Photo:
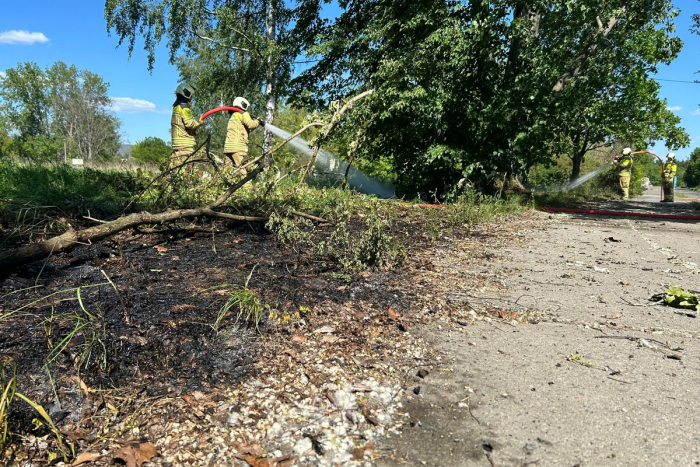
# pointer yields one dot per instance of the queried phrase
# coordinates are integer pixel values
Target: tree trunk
(577, 160)
(270, 85)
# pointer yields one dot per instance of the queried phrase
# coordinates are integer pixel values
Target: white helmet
(627, 151)
(241, 103)
(671, 156)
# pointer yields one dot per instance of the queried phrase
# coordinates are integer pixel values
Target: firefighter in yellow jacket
(240, 124)
(183, 125)
(669, 179)
(624, 164)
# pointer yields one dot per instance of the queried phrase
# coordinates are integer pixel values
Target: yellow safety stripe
(183, 127)
(239, 125)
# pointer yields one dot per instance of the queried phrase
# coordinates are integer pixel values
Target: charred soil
(125, 342)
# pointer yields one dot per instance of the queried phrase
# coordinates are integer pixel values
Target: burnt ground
(317, 384)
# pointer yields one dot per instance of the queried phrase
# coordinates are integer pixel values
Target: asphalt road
(592, 373)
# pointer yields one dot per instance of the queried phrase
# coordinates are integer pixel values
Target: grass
(8, 386)
(244, 301)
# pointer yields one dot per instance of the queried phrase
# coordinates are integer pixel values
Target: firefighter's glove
(261, 122)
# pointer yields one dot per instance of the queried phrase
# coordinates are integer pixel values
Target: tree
(151, 150)
(229, 49)
(58, 112)
(692, 171)
(25, 100)
(474, 91)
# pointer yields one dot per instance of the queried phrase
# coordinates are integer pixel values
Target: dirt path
(582, 377)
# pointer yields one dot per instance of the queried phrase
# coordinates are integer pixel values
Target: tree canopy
(151, 150)
(57, 113)
(464, 92)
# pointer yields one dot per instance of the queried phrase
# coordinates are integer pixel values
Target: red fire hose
(623, 213)
(220, 109)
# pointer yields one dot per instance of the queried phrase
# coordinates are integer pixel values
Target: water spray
(325, 161)
(581, 180)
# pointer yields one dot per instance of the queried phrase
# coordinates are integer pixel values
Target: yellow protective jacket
(625, 166)
(670, 171)
(239, 125)
(183, 126)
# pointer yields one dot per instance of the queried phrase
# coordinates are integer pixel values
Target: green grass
(29, 192)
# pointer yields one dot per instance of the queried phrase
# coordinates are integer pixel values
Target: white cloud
(2, 75)
(22, 37)
(132, 106)
(675, 108)
(695, 112)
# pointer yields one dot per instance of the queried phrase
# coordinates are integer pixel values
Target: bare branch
(213, 41)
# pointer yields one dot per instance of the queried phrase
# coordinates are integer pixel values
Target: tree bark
(271, 80)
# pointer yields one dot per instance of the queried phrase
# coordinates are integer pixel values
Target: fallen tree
(72, 238)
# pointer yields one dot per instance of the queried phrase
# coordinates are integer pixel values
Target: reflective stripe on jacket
(625, 165)
(183, 127)
(239, 125)
(670, 171)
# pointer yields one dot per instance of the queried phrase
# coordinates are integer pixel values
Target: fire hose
(220, 109)
(685, 217)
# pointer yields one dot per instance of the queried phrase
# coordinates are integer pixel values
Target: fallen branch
(334, 121)
(71, 238)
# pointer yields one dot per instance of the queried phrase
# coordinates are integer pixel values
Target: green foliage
(691, 177)
(56, 114)
(8, 388)
(151, 150)
(356, 248)
(33, 190)
(89, 327)
(247, 304)
(481, 90)
(290, 234)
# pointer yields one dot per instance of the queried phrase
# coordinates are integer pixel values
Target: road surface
(591, 373)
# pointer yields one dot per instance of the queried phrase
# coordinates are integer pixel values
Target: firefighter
(240, 124)
(183, 125)
(624, 165)
(669, 179)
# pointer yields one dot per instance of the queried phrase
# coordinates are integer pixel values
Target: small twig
(308, 216)
(631, 338)
(619, 380)
(489, 456)
(633, 304)
(469, 408)
(94, 220)
(36, 282)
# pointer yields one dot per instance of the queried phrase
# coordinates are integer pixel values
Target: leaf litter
(316, 389)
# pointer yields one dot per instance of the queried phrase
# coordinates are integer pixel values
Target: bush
(151, 150)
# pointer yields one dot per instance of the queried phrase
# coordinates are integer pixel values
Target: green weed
(8, 386)
(89, 330)
(245, 302)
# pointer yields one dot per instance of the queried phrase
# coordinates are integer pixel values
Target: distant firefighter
(624, 167)
(669, 179)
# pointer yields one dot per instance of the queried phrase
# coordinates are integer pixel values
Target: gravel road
(591, 373)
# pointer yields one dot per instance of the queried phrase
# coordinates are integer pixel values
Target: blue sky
(74, 32)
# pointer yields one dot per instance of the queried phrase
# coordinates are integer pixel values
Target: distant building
(125, 151)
